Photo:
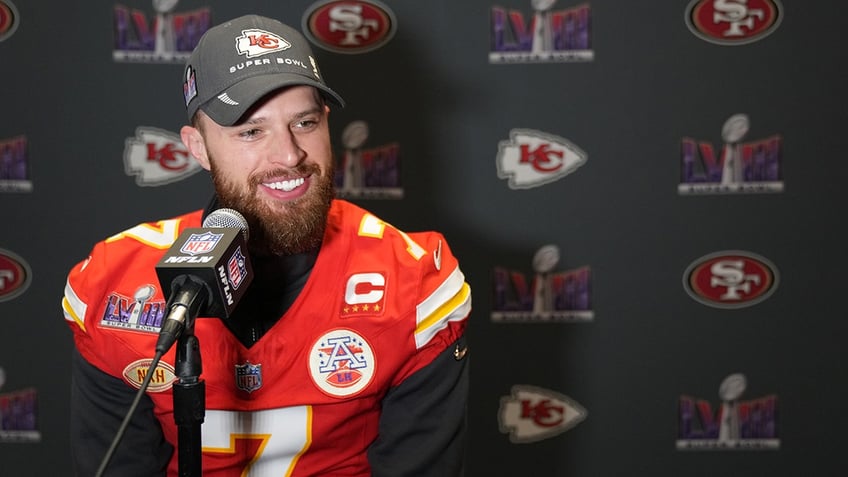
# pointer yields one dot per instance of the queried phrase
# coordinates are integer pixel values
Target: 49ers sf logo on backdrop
(15, 275)
(730, 279)
(349, 26)
(733, 22)
(9, 19)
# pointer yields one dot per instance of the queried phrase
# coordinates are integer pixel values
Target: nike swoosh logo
(437, 256)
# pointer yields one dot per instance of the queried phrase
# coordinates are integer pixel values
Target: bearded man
(351, 331)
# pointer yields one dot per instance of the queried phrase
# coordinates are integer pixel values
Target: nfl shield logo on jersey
(248, 376)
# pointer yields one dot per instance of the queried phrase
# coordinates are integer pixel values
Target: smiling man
(345, 357)
(275, 167)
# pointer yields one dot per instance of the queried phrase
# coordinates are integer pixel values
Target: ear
(193, 140)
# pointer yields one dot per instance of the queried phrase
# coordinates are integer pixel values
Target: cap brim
(241, 96)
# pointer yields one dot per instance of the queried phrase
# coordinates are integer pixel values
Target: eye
(305, 124)
(249, 133)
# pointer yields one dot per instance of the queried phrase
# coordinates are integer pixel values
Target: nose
(286, 151)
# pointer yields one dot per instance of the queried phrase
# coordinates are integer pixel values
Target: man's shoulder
(362, 223)
(157, 234)
(367, 239)
(187, 219)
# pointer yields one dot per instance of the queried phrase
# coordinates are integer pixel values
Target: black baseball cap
(238, 62)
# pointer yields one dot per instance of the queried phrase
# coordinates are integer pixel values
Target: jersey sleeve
(99, 403)
(115, 267)
(84, 289)
(100, 399)
(422, 429)
(443, 305)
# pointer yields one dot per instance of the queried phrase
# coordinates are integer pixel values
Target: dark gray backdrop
(432, 89)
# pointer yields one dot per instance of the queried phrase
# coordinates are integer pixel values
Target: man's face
(275, 167)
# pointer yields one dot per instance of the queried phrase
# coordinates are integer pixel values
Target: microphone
(205, 272)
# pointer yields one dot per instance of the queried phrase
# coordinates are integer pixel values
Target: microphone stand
(189, 403)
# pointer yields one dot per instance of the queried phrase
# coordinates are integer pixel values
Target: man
(337, 293)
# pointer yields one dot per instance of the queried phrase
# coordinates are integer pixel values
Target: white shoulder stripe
(73, 307)
(442, 294)
(451, 301)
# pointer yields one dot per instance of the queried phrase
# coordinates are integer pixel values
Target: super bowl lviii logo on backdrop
(730, 279)
(167, 37)
(14, 165)
(736, 167)
(19, 415)
(733, 22)
(367, 172)
(736, 424)
(532, 158)
(531, 414)
(157, 157)
(545, 36)
(349, 26)
(547, 296)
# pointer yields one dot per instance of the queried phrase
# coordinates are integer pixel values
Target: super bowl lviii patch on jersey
(341, 363)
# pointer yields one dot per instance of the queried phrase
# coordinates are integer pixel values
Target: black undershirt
(277, 281)
(276, 284)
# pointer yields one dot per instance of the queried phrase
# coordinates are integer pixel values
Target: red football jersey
(379, 305)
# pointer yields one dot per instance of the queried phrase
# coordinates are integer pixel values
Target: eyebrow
(317, 109)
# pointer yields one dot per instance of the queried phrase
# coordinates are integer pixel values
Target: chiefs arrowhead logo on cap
(256, 42)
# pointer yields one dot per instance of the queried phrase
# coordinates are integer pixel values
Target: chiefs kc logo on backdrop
(531, 414)
(532, 158)
(157, 157)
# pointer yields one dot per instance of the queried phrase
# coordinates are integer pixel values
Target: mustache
(282, 173)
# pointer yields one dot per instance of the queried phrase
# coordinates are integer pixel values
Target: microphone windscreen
(227, 218)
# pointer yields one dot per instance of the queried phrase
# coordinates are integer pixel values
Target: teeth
(286, 185)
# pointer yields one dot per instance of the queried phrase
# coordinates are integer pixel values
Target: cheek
(233, 161)
(321, 151)
(226, 172)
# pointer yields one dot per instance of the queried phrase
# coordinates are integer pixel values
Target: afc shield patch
(341, 363)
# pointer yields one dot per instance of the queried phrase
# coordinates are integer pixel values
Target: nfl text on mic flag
(204, 273)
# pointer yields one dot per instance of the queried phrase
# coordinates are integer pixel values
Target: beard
(280, 228)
